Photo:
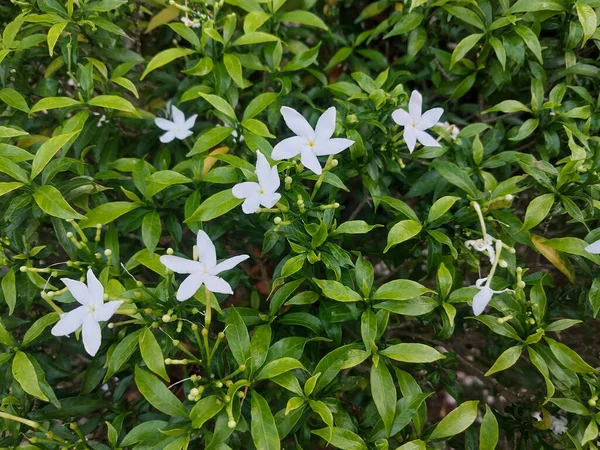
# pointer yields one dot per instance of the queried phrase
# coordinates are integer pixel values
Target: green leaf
(14, 99)
(587, 19)
(463, 47)
(441, 206)
(277, 367)
(38, 327)
(255, 37)
(293, 265)
(325, 413)
(114, 102)
(456, 421)
(368, 328)
(127, 84)
(537, 210)
(341, 438)
(508, 106)
(337, 291)
(158, 395)
(304, 18)
(215, 206)
(151, 230)
(406, 24)
(412, 353)
(49, 103)
(186, 33)
(568, 358)
(259, 346)
(162, 179)
(402, 231)
(400, 290)
(53, 34)
(106, 213)
(6, 132)
(210, 139)
(488, 434)
(234, 69)
(47, 151)
(24, 373)
(455, 175)
(263, 428)
(51, 201)
(507, 359)
(573, 246)
(258, 104)
(165, 57)
(219, 103)
(569, 405)
(500, 328)
(237, 337)
(257, 127)
(466, 15)
(9, 290)
(303, 59)
(500, 51)
(354, 227)
(9, 186)
(205, 409)
(384, 394)
(531, 40)
(152, 353)
(525, 6)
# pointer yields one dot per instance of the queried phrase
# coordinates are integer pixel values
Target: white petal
(401, 117)
(481, 300)
(245, 189)
(479, 283)
(269, 200)
(78, 290)
(415, 105)
(263, 170)
(426, 139)
(182, 134)
(91, 335)
(227, 264)
(189, 123)
(106, 311)
(430, 118)
(190, 286)
(217, 285)
(325, 125)
(95, 289)
(251, 204)
(332, 146)
(164, 124)
(178, 116)
(180, 265)
(288, 148)
(69, 322)
(272, 182)
(594, 248)
(206, 250)
(310, 161)
(297, 123)
(410, 137)
(167, 137)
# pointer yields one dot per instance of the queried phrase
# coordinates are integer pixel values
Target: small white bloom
(483, 245)
(310, 143)
(204, 271)
(262, 193)
(450, 128)
(415, 122)
(594, 248)
(179, 128)
(92, 311)
(560, 425)
(484, 296)
(190, 23)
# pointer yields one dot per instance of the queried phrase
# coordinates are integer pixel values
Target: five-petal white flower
(92, 310)
(204, 271)
(262, 193)
(484, 296)
(179, 128)
(310, 143)
(594, 248)
(415, 122)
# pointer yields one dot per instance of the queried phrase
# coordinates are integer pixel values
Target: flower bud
(227, 399)
(521, 284)
(240, 394)
(242, 367)
(170, 251)
(351, 118)
(221, 335)
(232, 424)
(334, 162)
(204, 332)
(166, 318)
(218, 384)
(175, 342)
(167, 361)
(592, 402)
(509, 197)
(139, 284)
(277, 220)
(23, 269)
(194, 392)
(194, 327)
(108, 252)
(229, 383)
(502, 263)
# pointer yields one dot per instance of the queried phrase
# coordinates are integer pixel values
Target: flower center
(311, 144)
(261, 191)
(92, 309)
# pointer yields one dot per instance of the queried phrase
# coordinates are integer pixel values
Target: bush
(426, 283)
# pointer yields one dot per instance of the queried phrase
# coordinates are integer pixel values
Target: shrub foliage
(406, 296)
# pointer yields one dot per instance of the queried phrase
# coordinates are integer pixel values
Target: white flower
(483, 245)
(309, 143)
(415, 123)
(262, 193)
(190, 23)
(204, 271)
(594, 248)
(484, 296)
(560, 425)
(450, 128)
(179, 128)
(92, 311)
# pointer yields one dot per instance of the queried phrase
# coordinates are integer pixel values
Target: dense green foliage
(352, 322)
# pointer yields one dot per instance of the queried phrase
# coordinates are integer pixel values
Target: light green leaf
(24, 372)
(51, 201)
(152, 353)
(507, 359)
(49, 103)
(209, 139)
(237, 337)
(53, 34)
(215, 206)
(342, 438)
(537, 210)
(114, 102)
(402, 231)
(9, 289)
(205, 409)
(304, 18)
(258, 104)
(6, 132)
(255, 37)
(412, 353)
(263, 428)
(456, 421)
(14, 99)
(165, 57)
(441, 206)
(531, 40)
(384, 394)
(463, 47)
(277, 367)
(234, 69)
(488, 434)
(400, 290)
(219, 103)
(337, 291)
(568, 358)
(587, 19)
(106, 213)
